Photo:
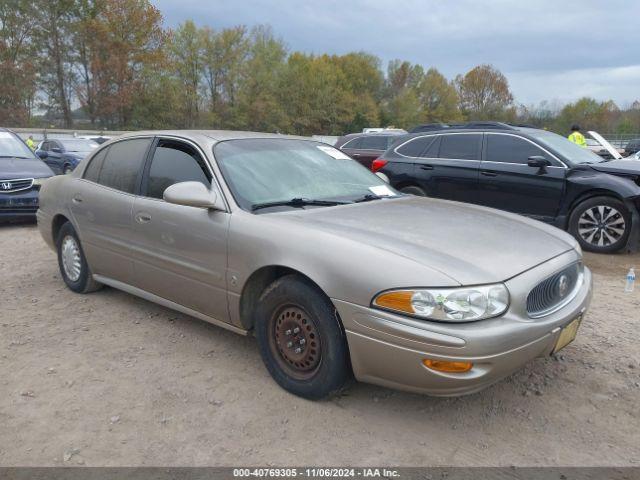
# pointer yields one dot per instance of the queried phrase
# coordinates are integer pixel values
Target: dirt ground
(108, 379)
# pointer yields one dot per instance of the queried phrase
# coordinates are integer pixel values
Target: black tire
(601, 224)
(84, 283)
(414, 190)
(322, 368)
(66, 170)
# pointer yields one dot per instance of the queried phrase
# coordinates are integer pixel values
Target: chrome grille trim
(545, 299)
(15, 185)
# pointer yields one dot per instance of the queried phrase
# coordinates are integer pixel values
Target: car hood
(621, 167)
(23, 168)
(469, 244)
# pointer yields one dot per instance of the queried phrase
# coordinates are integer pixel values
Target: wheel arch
(56, 224)
(258, 282)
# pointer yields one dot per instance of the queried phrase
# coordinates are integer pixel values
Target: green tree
(438, 98)
(17, 62)
(484, 93)
(186, 49)
(258, 105)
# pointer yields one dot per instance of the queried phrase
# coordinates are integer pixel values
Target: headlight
(462, 304)
(39, 181)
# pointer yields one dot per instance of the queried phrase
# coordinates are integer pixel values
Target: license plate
(567, 334)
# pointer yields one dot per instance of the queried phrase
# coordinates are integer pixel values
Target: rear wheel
(301, 340)
(601, 224)
(414, 190)
(72, 262)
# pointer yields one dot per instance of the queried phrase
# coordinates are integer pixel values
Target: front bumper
(388, 349)
(19, 204)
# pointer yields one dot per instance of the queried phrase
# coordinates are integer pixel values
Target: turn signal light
(377, 164)
(449, 367)
(400, 301)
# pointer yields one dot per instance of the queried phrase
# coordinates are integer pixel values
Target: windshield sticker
(335, 153)
(382, 191)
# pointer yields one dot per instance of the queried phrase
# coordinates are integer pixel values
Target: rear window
(122, 164)
(375, 142)
(416, 146)
(92, 171)
(461, 146)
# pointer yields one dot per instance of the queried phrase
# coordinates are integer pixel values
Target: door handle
(143, 217)
(76, 199)
(487, 173)
(426, 167)
(356, 155)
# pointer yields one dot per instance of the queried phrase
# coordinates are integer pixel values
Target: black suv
(522, 170)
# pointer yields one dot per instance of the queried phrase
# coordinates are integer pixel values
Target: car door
(448, 167)
(101, 203)
(54, 158)
(352, 148)
(181, 252)
(507, 182)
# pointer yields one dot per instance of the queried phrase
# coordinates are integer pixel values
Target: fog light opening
(448, 367)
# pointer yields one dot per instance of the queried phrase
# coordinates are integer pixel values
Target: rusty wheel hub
(296, 340)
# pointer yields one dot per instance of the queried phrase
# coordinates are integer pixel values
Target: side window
(374, 142)
(510, 149)
(461, 146)
(45, 146)
(415, 147)
(432, 150)
(355, 143)
(174, 162)
(92, 171)
(122, 164)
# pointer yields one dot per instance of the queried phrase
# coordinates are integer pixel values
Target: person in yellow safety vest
(31, 143)
(576, 137)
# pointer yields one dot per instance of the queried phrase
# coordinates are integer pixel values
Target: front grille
(554, 292)
(15, 185)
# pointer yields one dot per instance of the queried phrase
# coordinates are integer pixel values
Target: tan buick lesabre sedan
(335, 273)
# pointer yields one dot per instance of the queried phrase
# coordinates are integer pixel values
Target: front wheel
(67, 170)
(601, 224)
(301, 340)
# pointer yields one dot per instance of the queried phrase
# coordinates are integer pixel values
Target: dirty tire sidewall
(594, 202)
(334, 372)
(85, 282)
(413, 190)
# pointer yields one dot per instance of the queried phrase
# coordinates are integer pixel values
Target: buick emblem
(6, 186)
(563, 285)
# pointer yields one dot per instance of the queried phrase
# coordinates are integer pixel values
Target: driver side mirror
(194, 194)
(42, 154)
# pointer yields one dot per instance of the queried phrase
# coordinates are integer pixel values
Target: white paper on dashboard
(382, 191)
(335, 153)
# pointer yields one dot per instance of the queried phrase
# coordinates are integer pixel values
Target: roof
(216, 135)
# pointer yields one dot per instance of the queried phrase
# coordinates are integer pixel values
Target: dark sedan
(366, 147)
(63, 155)
(21, 175)
(523, 170)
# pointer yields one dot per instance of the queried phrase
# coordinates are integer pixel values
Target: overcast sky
(549, 49)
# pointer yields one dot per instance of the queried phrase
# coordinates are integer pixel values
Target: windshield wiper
(297, 202)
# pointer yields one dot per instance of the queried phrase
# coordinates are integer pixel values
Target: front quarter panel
(343, 269)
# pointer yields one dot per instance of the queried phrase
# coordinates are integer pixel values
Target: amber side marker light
(449, 367)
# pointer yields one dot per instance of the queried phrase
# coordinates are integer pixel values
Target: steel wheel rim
(295, 342)
(602, 226)
(71, 260)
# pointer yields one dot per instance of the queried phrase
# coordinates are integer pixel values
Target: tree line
(112, 64)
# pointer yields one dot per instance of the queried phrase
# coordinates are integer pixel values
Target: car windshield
(78, 145)
(12, 147)
(574, 154)
(260, 171)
